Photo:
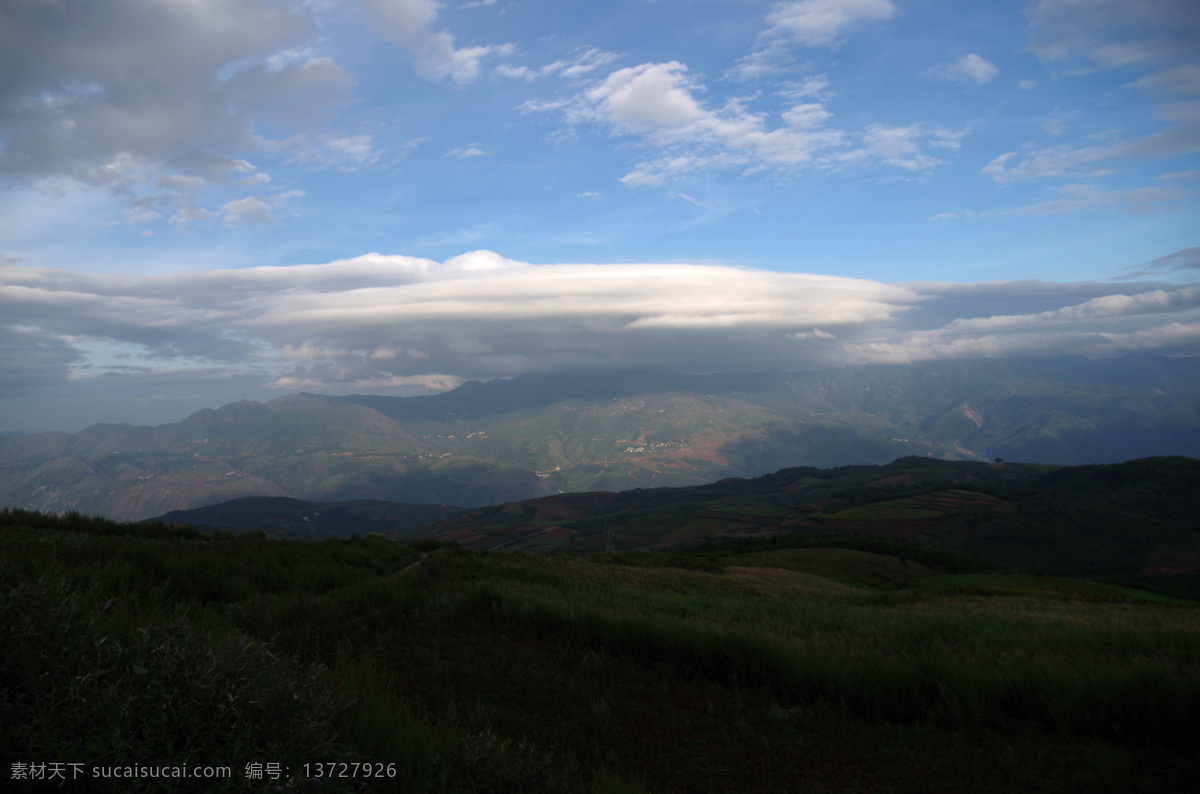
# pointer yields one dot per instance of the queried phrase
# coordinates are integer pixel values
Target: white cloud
(902, 146)
(251, 209)
(1154, 302)
(1055, 161)
(648, 98)
(659, 102)
(813, 23)
(516, 72)
(815, 87)
(688, 199)
(328, 149)
(470, 150)
(807, 23)
(967, 69)
(388, 321)
(255, 209)
(189, 211)
(585, 62)
(409, 23)
(1105, 325)
(771, 56)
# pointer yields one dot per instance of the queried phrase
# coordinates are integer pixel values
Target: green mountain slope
(1135, 519)
(293, 518)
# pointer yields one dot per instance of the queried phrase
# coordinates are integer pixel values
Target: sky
(202, 202)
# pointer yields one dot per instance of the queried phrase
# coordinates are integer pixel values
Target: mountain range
(537, 435)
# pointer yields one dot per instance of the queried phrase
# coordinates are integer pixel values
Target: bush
(82, 682)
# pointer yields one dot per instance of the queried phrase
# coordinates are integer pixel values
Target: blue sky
(206, 201)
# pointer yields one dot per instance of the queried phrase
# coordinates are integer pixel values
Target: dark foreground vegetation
(832, 664)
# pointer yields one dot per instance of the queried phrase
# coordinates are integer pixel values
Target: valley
(533, 436)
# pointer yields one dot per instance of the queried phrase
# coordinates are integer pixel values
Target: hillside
(499, 441)
(437, 669)
(292, 518)
(1136, 519)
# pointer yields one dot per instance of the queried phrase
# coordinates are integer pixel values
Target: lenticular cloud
(380, 321)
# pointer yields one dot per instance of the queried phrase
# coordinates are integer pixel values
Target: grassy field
(813, 669)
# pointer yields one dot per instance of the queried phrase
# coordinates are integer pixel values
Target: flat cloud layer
(406, 325)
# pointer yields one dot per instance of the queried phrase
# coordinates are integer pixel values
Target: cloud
(901, 146)
(31, 359)
(255, 209)
(967, 69)
(1154, 302)
(1056, 161)
(470, 150)
(1070, 199)
(688, 199)
(330, 149)
(1113, 33)
(814, 87)
(1107, 324)
(85, 85)
(585, 62)
(659, 102)
(812, 23)
(161, 102)
(409, 24)
(806, 23)
(516, 72)
(1182, 261)
(1083, 198)
(1182, 78)
(648, 98)
(1157, 39)
(394, 322)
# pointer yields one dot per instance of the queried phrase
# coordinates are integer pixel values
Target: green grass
(886, 512)
(752, 667)
(766, 512)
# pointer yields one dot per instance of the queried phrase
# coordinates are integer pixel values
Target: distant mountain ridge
(535, 435)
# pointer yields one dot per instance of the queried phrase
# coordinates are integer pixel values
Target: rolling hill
(1137, 519)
